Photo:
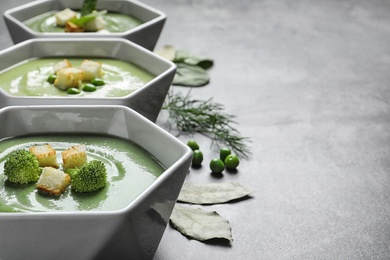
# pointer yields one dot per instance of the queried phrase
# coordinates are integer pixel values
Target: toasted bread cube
(61, 65)
(63, 16)
(53, 181)
(69, 78)
(71, 27)
(74, 157)
(95, 25)
(46, 155)
(91, 69)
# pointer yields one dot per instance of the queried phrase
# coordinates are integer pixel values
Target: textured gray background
(309, 82)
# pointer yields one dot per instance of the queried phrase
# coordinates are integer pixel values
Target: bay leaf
(212, 193)
(199, 224)
(190, 75)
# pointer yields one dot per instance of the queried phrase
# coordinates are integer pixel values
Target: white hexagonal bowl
(147, 100)
(145, 34)
(133, 232)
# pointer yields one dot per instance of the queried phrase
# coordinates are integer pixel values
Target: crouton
(91, 69)
(61, 65)
(95, 25)
(53, 181)
(69, 78)
(74, 157)
(63, 16)
(71, 27)
(46, 155)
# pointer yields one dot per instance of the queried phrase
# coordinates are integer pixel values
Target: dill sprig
(207, 118)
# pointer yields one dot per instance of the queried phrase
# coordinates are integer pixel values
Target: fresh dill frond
(207, 118)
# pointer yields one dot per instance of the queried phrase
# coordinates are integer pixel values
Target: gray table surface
(309, 82)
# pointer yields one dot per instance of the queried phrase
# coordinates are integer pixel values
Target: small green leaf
(180, 56)
(212, 193)
(190, 59)
(190, 75)
(203, 63)
(190, 69)
(199, 224)
(86, 18)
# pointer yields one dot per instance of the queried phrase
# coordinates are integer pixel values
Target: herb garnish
(88, 7)
(198, 116)
(206, 118)
(86, 18)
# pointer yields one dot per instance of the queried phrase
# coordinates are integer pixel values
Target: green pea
(98, 82)
(89, 87)
(197, 158)
(52, 78)
(193, 145)
(223, 153)
(217, 165)
(232, 161)
(73, 91)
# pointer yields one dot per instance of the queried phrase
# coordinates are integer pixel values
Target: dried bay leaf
(199, 224)
(212, 193)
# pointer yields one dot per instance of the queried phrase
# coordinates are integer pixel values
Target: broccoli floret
(90, 177)
(22, 167)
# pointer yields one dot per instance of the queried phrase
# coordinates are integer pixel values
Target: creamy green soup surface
(130, 170)
(115, 23)
(29, 78)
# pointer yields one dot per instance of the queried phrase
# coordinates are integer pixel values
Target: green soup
(115, 23)
(29, 78)
(130, 170)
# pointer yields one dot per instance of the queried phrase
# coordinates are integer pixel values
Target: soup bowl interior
(131, 232)
(147, 100)
(146, 34)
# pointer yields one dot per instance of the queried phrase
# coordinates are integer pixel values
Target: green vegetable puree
(115, 23)
(29, 78)
(130, 170)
